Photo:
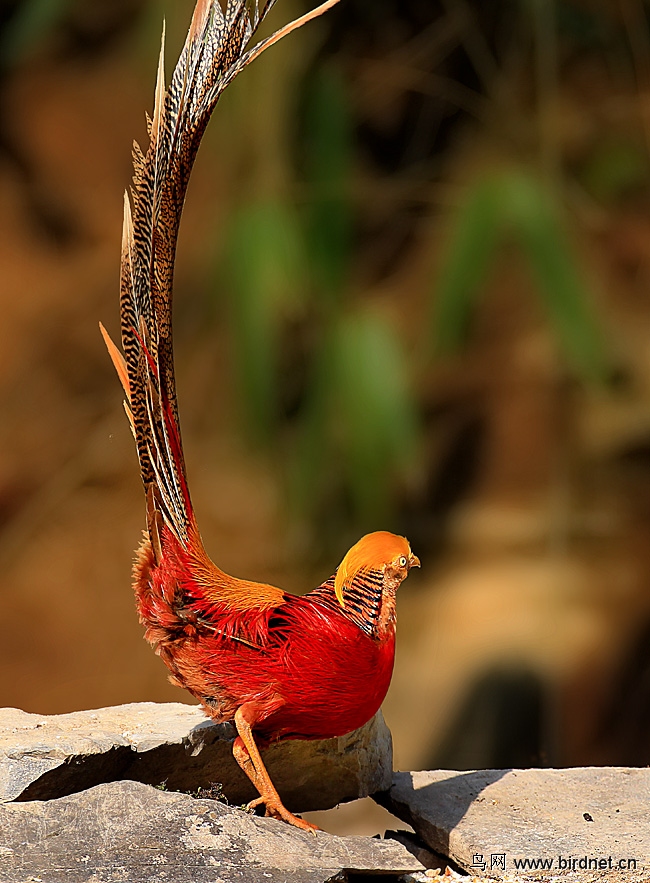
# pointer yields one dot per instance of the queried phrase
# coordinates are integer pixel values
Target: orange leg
(248, 757)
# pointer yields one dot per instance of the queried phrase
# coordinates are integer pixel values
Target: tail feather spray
(215, 51)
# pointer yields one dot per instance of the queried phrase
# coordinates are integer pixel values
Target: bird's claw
(253, 804)
(276, 810)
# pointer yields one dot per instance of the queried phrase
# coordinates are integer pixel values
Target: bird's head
(380, 551)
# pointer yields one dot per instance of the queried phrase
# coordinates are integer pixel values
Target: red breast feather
(332, 675)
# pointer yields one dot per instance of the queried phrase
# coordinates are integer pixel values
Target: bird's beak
(414, 561)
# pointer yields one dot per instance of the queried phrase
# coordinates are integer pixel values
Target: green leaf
(514, 203)
(535, 221)
(328, 161)
(313, 470)
(477, 228)
(615, 169)
(374, 411)
(360, 431)
(264, 257)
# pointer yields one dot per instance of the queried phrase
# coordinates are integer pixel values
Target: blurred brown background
(412, 292)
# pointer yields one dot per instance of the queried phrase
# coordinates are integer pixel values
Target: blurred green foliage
(615, 168)
(266, 257)
(289, 261)
(373, 410)
(359, 429)
(356, 434)
(328, 161)
(356, 427)
(514, 205)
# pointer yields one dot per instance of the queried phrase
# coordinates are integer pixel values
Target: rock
(417, 848)
(126, 831)
(49, 756)
(582, 824)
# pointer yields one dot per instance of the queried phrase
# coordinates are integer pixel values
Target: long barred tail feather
(215, 51)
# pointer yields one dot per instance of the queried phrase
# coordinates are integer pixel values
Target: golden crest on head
(371, 553)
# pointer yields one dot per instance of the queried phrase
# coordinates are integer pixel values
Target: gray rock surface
(133, 833)
(49, 756)
(591, 823)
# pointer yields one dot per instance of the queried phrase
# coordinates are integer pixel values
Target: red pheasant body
(314, 672)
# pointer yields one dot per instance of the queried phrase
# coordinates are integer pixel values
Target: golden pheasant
(278, 665)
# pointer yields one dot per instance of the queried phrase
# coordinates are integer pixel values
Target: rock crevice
(43, 757)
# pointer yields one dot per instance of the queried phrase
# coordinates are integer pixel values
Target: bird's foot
(276, 810)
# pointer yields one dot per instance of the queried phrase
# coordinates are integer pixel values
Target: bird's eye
(402, 561)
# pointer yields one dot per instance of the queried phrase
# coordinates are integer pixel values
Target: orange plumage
(278, 665)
